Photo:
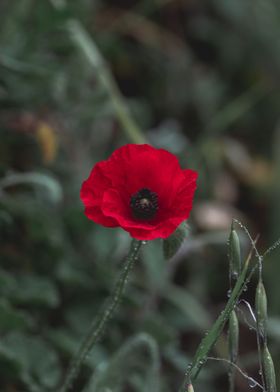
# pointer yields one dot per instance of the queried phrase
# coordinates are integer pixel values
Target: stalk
(99, 323)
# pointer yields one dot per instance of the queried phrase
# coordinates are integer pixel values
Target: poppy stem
(100, 322)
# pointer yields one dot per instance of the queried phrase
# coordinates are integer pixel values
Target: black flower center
(144, 204)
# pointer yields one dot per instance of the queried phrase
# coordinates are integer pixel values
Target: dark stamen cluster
(144, 204)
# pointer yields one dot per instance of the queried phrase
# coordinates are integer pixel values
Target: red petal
(97, 216)
(134, 167)
(107, 192)
(93, 188)
(91, 193)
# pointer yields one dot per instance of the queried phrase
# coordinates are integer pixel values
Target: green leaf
(172, 244)
(119, 368)
(52, 188)
(72, 276)
(156, 326)
(7, 282)
(10, 367)
(188, 304)
(212, 336)
(35, 290)
(33, 359)
(11, 319)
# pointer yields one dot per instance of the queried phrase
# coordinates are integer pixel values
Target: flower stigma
(144, 204)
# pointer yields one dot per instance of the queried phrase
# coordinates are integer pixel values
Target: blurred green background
(200, 78)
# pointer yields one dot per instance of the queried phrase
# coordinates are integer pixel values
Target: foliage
(197, 78)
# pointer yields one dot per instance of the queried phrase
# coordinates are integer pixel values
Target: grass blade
(210, 339)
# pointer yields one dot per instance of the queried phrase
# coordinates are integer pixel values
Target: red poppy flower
(141, 189)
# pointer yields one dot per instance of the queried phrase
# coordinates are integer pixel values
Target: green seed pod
(234, 254)
(233, 336)
(261, 308)
(269, 372)
(190, 388)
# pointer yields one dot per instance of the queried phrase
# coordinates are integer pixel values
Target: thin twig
(251, 380)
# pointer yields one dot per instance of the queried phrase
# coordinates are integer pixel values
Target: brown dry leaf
(47, 140)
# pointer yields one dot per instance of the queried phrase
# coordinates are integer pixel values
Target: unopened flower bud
(269, 372)
(261, 308)
(233, 336)
(234, 253)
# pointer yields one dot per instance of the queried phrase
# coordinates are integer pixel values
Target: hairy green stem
(210, 339)
(233, 343)
(102, 319)
(261, 340)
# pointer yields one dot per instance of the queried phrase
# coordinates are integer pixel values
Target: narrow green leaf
(10, 367)
(120, 366)
(188, 305)
(87, 46)
(210, 339)
(34, 360)
(12, 319)
(35, 290)
(51, 186)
